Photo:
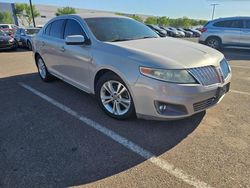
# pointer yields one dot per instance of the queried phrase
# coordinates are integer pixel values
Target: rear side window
(247, 24)
(72, 27)
(230, 24)
(47, 29)
(56, 29)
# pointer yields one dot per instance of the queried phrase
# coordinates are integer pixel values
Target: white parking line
(239, 92)
(161, 163)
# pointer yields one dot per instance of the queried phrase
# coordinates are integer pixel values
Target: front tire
(114, 97)
(42, 70)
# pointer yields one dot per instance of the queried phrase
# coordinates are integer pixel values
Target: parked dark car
(187, 33)
(161, 32)
(24, 36)
(6, 42)
(170, 32)
(195, 32)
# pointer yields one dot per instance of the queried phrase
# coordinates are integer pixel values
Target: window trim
(233, 20)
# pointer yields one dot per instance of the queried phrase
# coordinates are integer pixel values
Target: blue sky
(172, 8)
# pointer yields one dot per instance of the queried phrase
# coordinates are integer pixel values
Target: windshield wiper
(119, 40)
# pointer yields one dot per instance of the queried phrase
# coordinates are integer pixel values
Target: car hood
(4, 38)
(170, 53)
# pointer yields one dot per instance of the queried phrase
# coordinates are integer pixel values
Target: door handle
(62, 49)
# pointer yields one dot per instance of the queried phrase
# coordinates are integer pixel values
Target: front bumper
(194, 98)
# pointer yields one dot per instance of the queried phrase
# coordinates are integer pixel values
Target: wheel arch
(103, 71)
(214, 36)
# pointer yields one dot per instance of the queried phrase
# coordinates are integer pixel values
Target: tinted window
(247, 24)
(72, 27)
(119, 29)
(230, 23)
(57, 29)
(4, 26)
(47, 30)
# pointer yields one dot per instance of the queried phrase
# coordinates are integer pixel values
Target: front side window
(57, 28)
(72, 27)
(119, 29)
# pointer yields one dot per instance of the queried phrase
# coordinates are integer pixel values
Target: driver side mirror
(75, 40)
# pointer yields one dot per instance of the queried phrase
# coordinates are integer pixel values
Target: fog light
(170, 109)
(162, 107)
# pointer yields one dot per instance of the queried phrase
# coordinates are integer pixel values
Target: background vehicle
(187, 33)
(161, 32)
(223, 32)
(24, 36)
(195, 32)
(171, 33)
(6, 42)
(179, 33)
(10, 29)
(129, 68)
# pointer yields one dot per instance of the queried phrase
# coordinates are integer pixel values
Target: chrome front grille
(207, 75)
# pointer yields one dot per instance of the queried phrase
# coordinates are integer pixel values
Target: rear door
(51, 46)
(245, 35)
(230, 31)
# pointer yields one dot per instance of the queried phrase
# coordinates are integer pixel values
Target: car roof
(92, 15)
(230, 18)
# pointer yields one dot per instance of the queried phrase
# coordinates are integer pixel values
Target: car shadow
(19, 49)
(42, 146)
(236, 54)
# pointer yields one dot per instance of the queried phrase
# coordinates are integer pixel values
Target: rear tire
(114, 97)
(42, 70)
(214, 42)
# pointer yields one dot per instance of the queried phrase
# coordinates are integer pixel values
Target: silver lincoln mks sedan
(129, 68)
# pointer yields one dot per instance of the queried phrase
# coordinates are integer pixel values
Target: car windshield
(32, 31)
(4, 26)
(2, 33)
(119, 29)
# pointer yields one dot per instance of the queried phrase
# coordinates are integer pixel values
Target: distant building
(48, 12)
(9, 7)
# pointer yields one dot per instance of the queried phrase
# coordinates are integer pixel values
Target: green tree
(23, 13)
(65, 10)
(151, 20)
(6, 18)
(163, 21)
(136, 17)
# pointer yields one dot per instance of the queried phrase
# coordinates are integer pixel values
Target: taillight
(203, 30)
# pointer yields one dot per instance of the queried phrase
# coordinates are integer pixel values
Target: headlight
(174, 76)
(225, 68)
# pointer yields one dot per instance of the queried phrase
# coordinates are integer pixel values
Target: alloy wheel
(115, 98)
